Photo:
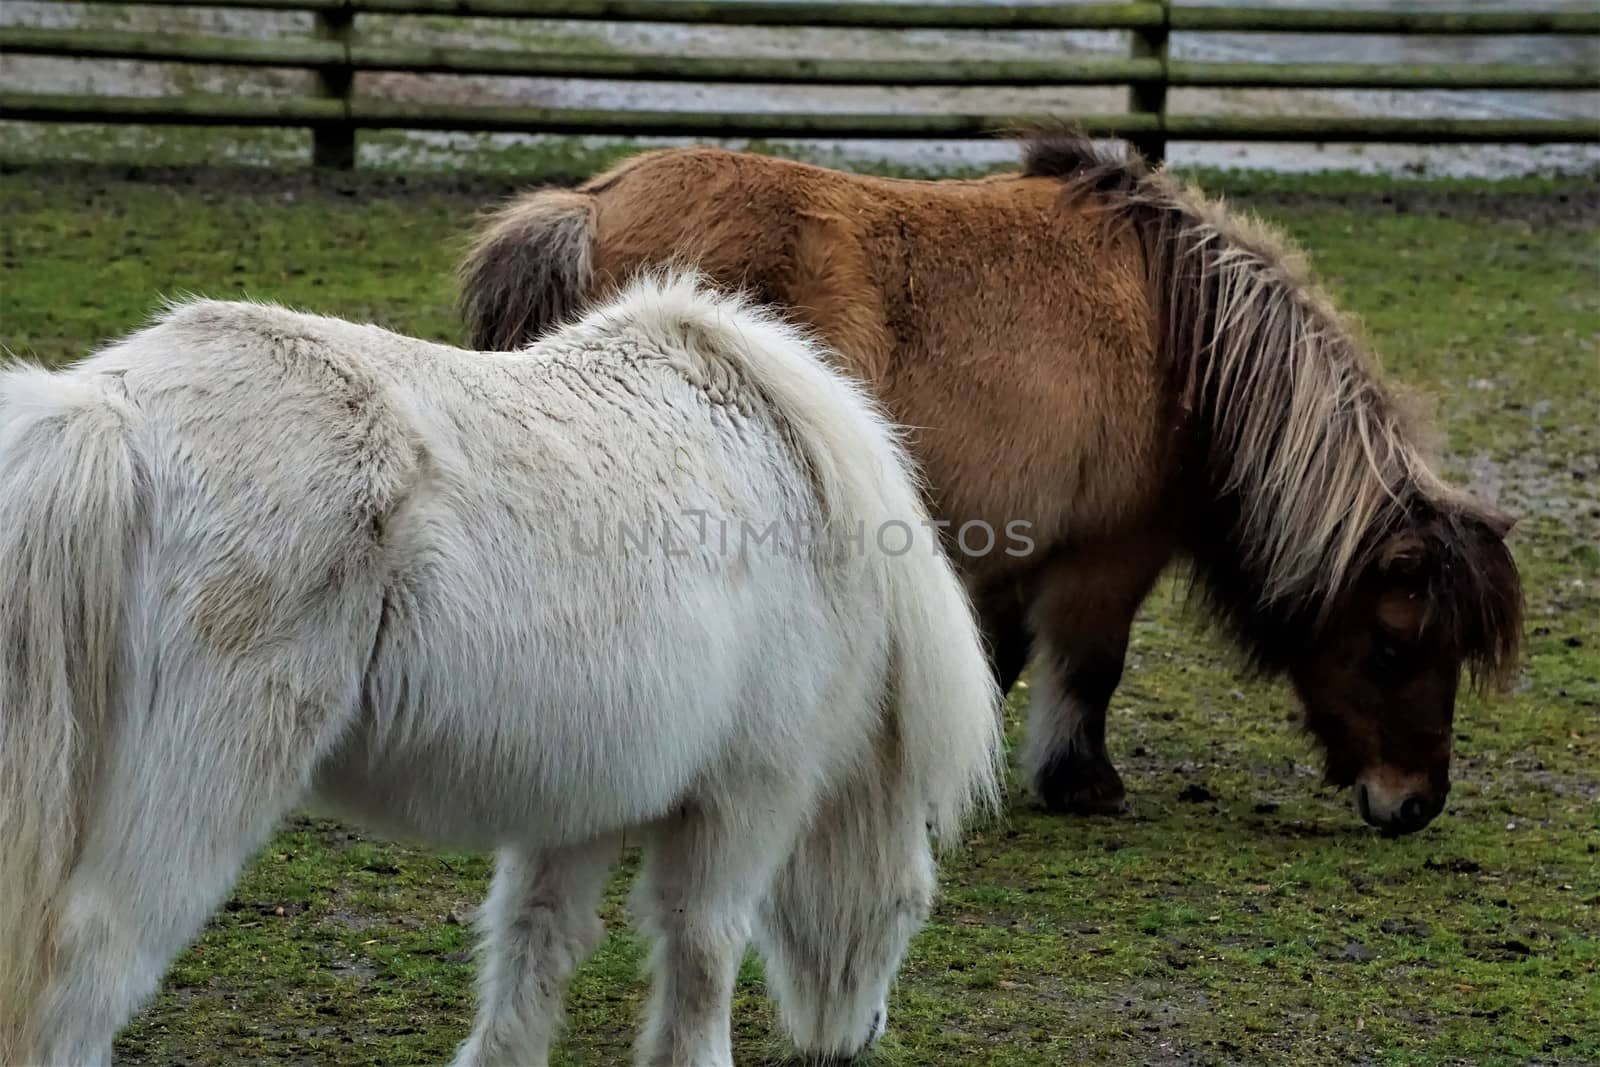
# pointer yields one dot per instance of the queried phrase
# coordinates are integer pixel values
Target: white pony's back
(868, 485)
(628, 579)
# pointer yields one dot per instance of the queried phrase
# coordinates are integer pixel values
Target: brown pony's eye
(1387, 662)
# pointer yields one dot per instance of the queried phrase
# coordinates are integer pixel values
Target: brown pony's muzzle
(1410, 813)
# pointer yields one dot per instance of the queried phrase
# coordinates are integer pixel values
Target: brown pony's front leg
(1082, 610)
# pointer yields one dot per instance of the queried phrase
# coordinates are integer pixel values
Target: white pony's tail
(70, 492)
(942, 691)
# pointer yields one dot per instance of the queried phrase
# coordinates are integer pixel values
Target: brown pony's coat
(1112, 358)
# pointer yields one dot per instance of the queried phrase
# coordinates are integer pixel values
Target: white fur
(251, 558)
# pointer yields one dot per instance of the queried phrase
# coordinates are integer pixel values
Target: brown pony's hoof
(1077, 784)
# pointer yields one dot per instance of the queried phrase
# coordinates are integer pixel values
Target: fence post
(333, 145)
(1151, 97)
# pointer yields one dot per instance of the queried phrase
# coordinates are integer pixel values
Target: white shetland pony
(251, 558)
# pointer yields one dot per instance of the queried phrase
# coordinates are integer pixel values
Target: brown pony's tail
(529, 270)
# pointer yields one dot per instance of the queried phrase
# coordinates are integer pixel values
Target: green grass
(1265, 925)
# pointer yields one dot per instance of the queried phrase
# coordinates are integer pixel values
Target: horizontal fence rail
(310, 52)
(219, 110)
(337, 53)
(904, 16)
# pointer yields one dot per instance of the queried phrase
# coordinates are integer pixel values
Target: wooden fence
(338, 51)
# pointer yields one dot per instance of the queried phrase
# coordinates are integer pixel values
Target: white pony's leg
(705, 873)
(186, 791)
(538, 924)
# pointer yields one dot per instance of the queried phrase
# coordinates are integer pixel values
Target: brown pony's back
(1051, 358)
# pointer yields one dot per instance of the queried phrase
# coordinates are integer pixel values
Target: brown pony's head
(1379, 681)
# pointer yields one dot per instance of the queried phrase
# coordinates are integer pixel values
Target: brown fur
(1125, 364)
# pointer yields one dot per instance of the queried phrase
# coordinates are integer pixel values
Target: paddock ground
(1241, 914)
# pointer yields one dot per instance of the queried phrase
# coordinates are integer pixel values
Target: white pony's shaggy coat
(251, 558)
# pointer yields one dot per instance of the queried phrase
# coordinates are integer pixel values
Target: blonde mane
(1323, 456)
(1307, 462)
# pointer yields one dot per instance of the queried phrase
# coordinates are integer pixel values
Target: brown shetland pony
(1130, 368)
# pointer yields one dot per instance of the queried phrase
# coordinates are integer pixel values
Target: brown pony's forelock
(1300, 464)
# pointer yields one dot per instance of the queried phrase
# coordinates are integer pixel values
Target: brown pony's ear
(1498, 522)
